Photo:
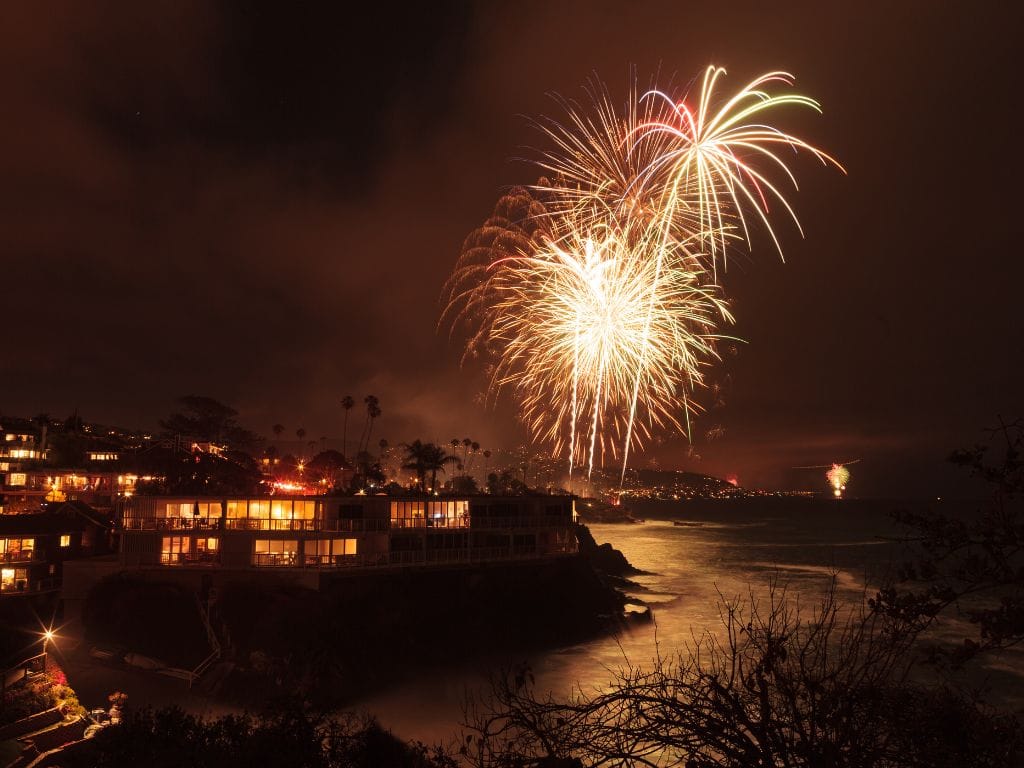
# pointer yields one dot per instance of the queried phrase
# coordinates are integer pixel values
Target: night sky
(261, 205)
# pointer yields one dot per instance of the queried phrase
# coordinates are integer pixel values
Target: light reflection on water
(725, 549)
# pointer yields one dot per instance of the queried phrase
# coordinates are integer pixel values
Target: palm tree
(475, 447)
(278, 431)
(487, 462)
(466, 442)
(301, 434)
(383, 445)
(426, 457)
(415, 459)
(372, 412)
(347, 403)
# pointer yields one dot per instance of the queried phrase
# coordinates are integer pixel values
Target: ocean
(694, 554)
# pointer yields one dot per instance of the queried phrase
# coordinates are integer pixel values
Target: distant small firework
(594, 291)
(838, 476)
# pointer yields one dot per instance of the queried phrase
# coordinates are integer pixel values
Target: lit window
(205, 546)
(174, 549)
(275, 551)
(65, 540)
(305, 510)
(12, 550)
(281, 509)
(407, 514)
(451, 514)
(13, 579)
(327, 548)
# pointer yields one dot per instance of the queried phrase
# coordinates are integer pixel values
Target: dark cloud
(261, 203)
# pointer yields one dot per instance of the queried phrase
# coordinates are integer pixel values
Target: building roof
(58, 518)
(39, 523)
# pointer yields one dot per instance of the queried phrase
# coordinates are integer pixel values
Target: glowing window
(65, 540)
(16, 549)
(304, 510)
(197, 509)
(276, 546)
(275, 552)
(173, 549)
(259, 508)
(236, 509)
(207, 545)
(407, 514)
(13, 579)
(448, 513)
(335, 547)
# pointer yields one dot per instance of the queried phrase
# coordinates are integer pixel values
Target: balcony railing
(269, 524)
(429, 522)
(189, 558)
(20, 556)
(30, 586)
(171, 523)
(482, 523)
(277, 560)
(251, 524)
(412, 557)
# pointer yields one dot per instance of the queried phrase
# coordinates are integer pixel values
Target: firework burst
(595, 291)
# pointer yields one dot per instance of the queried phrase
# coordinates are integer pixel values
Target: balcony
(171, 524)
(29, 587)
(406, 523)
(189, 558)
(21, 556)
(261, 524)
(251, 524)
(531, 522)
(277, 560)
(411, 558)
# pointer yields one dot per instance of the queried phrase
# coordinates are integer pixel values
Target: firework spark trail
(595, 290)
(706, 150)
(582, 318)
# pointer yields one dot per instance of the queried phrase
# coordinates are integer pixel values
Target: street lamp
(47, 639)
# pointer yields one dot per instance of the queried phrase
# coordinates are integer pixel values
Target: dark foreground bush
(771, 688)
(291, 737)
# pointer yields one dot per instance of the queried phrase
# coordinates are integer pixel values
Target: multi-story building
(29, 489)
(33, 547)
(329, 533)
(21, 446)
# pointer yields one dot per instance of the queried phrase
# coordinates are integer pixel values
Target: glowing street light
(48, 637)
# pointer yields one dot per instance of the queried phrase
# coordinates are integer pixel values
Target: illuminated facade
(33, 548)
(20, 447)
(347, 532)
(28, 489)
